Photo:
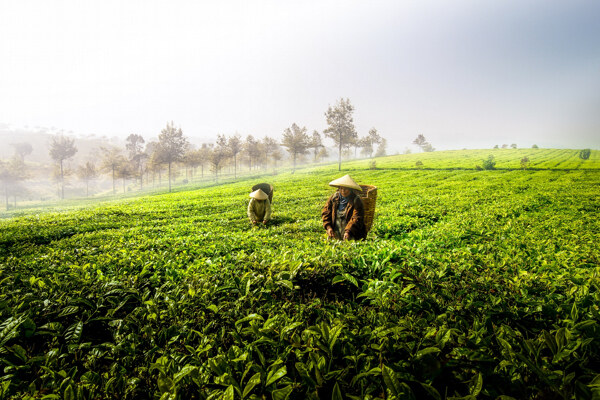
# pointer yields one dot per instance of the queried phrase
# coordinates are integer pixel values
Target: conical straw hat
(259, 195)
(346, 181)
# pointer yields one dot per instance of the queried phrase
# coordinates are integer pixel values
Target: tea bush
(482, 284)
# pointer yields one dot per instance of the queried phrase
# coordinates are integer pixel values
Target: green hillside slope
(482, 283)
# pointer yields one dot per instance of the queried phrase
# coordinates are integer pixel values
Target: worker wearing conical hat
(344, 213)
(259, 208)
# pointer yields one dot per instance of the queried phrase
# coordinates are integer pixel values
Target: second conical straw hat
(346, 181)
(259, 195)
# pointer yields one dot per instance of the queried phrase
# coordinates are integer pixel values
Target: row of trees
(140, 159)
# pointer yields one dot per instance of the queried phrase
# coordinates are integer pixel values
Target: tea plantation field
(472, 284)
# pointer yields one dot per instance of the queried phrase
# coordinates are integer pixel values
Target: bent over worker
(259, 208)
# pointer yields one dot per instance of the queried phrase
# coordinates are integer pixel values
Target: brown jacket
(355, 215)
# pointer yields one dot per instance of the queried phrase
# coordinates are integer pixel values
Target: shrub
(490, 163)
(373, 165)
(585, 154)
(419, 164)
(524, 163)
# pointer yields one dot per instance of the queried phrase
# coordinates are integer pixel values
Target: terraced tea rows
(471, 283)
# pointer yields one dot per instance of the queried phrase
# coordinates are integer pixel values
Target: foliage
(341, 126)
(296, 140)
(471, 284)
(489, 163)
(585, 154)
(172, 146)
(524, 163)
(22, 149)
(423, 143)
(61, 149)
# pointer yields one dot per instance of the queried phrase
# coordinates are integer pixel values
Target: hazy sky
(463, 73)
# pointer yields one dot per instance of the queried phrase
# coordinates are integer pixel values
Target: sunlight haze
(465, 74)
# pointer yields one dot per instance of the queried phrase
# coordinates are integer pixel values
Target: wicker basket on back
(265, 187)
(369, 197)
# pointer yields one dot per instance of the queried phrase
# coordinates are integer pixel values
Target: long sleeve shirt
(259, 210)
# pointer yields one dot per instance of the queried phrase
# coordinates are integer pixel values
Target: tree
(154, 160)
(340, 126)
(496, 146)
(87, 172)
(323, 153)
(234, 145)
(315, 143)
(489, 163)
(296, 141)
(423, 143)
(585, 154)
(381, 149)
(124, 171)
(368, 142)
(112, 159)
(513, 146)
(252, 149)
(524, 163)
(172, 145)
(204, 151)
(217, 157)
(11, 173)
(61, 149)
(135, 147)
(192, 159)
(269, 146)
(535, 146)
(22, 149)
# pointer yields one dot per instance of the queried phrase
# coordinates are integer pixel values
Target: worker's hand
(254, 222)
(346, 236)
(265, 222)
(330, 233)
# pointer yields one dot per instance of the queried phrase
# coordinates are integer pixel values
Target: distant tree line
(172, 155)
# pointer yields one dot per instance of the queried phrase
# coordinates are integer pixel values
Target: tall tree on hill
(423, 143)
(341, 126)
(86, 173)
(135, 147)
(172, 146)
(296, 141)
(112, 159)
(315, 143)
(61, 149)
(234, 145)
(22, 149)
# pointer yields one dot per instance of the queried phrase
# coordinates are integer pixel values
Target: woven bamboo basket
(265, 187)
(369, 198)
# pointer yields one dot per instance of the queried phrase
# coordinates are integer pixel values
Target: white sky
(466, 73)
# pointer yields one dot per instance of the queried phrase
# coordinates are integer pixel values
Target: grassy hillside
(481, 283)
